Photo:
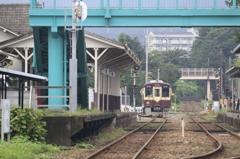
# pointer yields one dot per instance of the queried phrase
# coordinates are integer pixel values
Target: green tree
(168, 62)
(185, 89)
(230, 3)
(208, 45)
(126, 74)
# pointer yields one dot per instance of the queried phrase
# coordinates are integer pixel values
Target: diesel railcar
(156, 98)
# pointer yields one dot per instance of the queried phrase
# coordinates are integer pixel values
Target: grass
(85, 145)
(193, 144)
(109, 134)
(20, 148)
(62, 112)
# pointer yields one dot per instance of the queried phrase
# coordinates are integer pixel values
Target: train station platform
(231, 117)
(67, 130)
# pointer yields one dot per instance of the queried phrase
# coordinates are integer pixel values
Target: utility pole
(125, 99)
(73, 62)
(220, 74)
(158, 74)
(146, 49)
(134, 90)
(79, 13)
(208, 82)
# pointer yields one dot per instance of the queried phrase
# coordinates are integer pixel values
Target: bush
(27, 123)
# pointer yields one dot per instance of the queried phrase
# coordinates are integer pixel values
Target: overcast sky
(14, 1)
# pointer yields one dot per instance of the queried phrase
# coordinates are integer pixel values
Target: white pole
(158, 74)
(182, 124)
(73, 63)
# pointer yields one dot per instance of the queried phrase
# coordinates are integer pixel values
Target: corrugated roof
(15, 17)
(234, 72)
(103, 38)
(16, 38)
(236, 49)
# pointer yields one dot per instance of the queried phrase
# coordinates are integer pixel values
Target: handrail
(34, 97)
(138, 4)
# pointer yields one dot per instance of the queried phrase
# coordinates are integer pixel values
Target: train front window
(157, 93)
(148, 92)
(165, 92)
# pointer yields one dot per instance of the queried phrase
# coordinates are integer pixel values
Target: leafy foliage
(184, 89)
(126, 75)
(230, 3)
(208, 46)
(27, 123)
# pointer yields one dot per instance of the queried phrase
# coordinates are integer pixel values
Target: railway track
(131, 145)
(168, 143)
(224, 139)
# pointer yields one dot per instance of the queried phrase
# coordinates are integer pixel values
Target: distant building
(172, 40)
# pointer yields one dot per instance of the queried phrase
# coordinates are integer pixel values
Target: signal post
(136, 68)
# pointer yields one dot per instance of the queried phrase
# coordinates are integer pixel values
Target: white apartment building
(172, 40)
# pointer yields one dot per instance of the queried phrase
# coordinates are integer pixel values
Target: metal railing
(137, 4)
(34, 97)
(196, 72)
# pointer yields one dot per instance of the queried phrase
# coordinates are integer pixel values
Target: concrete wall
(60, 129)
(235, 122)
(125, 119)
(65, 131)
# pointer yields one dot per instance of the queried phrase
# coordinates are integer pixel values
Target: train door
(166, 100)
(148, 96)
(157, 93)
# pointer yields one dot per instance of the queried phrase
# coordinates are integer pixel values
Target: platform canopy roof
(113, 53)
(23, 75)
(236, 50)
(234, 72)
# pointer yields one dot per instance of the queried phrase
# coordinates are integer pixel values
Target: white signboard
(105, 71)
(5, 104)
(111, 74)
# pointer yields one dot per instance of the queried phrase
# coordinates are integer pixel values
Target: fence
(137, 4)
(35, 96)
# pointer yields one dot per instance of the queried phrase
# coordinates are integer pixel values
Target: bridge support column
(209, 96)
(55, 66)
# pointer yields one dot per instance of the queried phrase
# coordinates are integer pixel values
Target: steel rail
(116, 141)
(229, 131)
(211, 152)
(140, 151)
(232, 133)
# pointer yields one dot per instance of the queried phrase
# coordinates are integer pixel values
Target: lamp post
(158, 74)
